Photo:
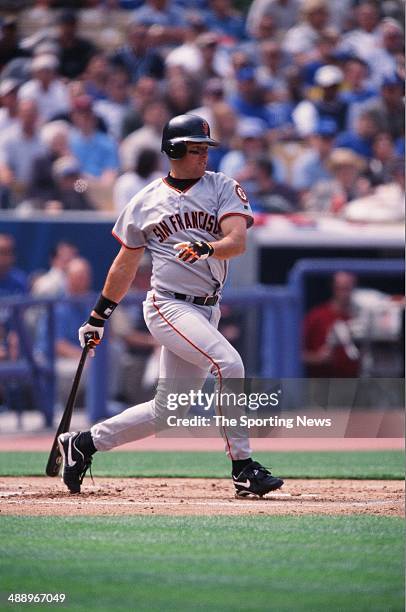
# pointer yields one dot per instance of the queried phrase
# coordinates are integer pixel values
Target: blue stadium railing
(275, 346)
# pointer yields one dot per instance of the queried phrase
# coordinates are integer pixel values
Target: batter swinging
(192, 222)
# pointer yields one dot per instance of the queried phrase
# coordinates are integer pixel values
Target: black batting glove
(192, 251)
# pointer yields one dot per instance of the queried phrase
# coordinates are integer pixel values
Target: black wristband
(105, 307)
(96, 322)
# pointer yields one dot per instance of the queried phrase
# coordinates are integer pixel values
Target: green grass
(371, 464)
(223, 564)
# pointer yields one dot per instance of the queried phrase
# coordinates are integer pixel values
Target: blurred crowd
(305, 96)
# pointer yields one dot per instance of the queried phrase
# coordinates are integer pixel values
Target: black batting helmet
(182, 129)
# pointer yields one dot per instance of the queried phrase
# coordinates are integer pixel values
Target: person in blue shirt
(136, 58)
(167, 21)
(223, 19)
(96, 152)
(311, 165)
(355, 86)
(13, 281)
(359, 139)
(250, 99)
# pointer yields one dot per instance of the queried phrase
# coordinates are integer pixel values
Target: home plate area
(198, 496)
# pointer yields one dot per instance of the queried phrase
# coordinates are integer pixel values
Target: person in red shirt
(328, 350)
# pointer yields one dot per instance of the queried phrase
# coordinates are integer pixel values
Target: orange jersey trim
(125, 245)
(237, 214)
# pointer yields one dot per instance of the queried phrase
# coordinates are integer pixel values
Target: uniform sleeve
(127, 229)
(233, 200)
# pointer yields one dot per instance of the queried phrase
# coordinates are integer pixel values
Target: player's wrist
(96, 321)
(104, 307)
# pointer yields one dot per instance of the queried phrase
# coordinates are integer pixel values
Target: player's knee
(233, 366)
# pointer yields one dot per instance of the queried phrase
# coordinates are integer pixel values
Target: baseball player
(192, 221)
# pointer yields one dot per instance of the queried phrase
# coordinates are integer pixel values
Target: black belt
(210, 300)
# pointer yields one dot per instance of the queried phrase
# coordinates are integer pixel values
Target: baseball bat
(55, 459)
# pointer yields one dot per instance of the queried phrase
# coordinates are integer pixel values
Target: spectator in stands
(250, 99)
(188, 55)
(46, 88)
(280, 111)
(19, 146)
(144, 92)
(385, 203)
(95, 76)
(116, 105)
(311, 165)
(53, 282)
(355, 87)
(213, 95)
(332, 195)
(69, 314)
(265, 194)
(129, 183)
(224, 125)
(71, 188)
(148, 136)
(388, 109)
(328, 349)
(96, 152)
(361, 137)
(362, 40)
(13, 281)
(40, 15)
(182, 95)
(301, 39)
(207, 45)
(223, 19)
(284, 12)
(10, 47)
(8, 104)
(41, 186)
(324, 54)
(270, 72)
(74, 51)
(137, 58)
(383, 157)
(265, 31)
(384, 58)
(250, 144)
(330, 105)
(167, 21)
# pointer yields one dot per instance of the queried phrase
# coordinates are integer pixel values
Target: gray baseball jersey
(159, 216)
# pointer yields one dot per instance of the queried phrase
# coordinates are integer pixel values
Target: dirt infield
(201, 497)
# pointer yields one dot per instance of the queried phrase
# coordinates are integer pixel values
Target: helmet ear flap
(175, 150)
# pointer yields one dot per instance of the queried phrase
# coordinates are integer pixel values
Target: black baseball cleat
(75, 462)
(255, 479)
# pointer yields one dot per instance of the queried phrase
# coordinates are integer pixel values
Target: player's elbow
(240, 245)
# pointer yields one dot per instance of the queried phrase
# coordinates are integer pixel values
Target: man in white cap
(330, 106)
(46, 88)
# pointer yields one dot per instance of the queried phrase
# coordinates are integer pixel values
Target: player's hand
(192, 251)
(91, 332)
